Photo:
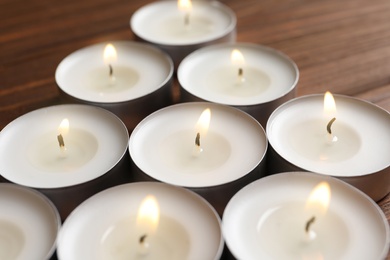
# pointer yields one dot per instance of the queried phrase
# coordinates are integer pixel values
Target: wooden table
(340, 46)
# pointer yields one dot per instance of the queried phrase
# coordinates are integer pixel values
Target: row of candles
(197, 145)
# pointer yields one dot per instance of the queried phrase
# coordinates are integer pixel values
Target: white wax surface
(162, 145)
(140, 69)
(190, 227)
(209, 74)
(30, 154)
(297, 131)
(24, 215)
(162, 23)
(266, 220)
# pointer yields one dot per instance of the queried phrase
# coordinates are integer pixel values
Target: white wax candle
(362, 131)
(210, 74)
(163, 144)
(30, 153)
(189, 228)
(24, 214)
(85, 74)
(267, 220)
(164, 23)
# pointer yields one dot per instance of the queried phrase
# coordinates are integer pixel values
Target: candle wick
(241, 78)
(198, 149)
(187, 19)
(240, 72)
(143, 245)
(197, 140)
(111, 70)
(61, 142)
(329, 126)
(111, 73)
(309, 223)
(142, 238)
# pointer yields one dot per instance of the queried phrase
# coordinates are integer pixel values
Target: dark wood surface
(340, 46)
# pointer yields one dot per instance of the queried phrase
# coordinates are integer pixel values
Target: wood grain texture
(341, 46)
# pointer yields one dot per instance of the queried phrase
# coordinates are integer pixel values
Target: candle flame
(237, 58)
(203, 123)
(184, 5)
(109, 54)
(329, 105)
(63, 129)
(148, 215)
(319, 198)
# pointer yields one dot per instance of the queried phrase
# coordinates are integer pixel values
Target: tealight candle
(351, 142)
(61, 146)
(172, 145)
(180, 27)
(254, 78)
(301, 215)
(117, 76)
(26, 213)
(147, 220)
(210, 148)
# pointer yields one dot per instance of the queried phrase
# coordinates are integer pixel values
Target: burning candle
(351, 142)
(171, 144)
(305, 216)
(251, 77)
(181, 27)
(38, 151)
(24, 214)
(116, 76)
(147, 221)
